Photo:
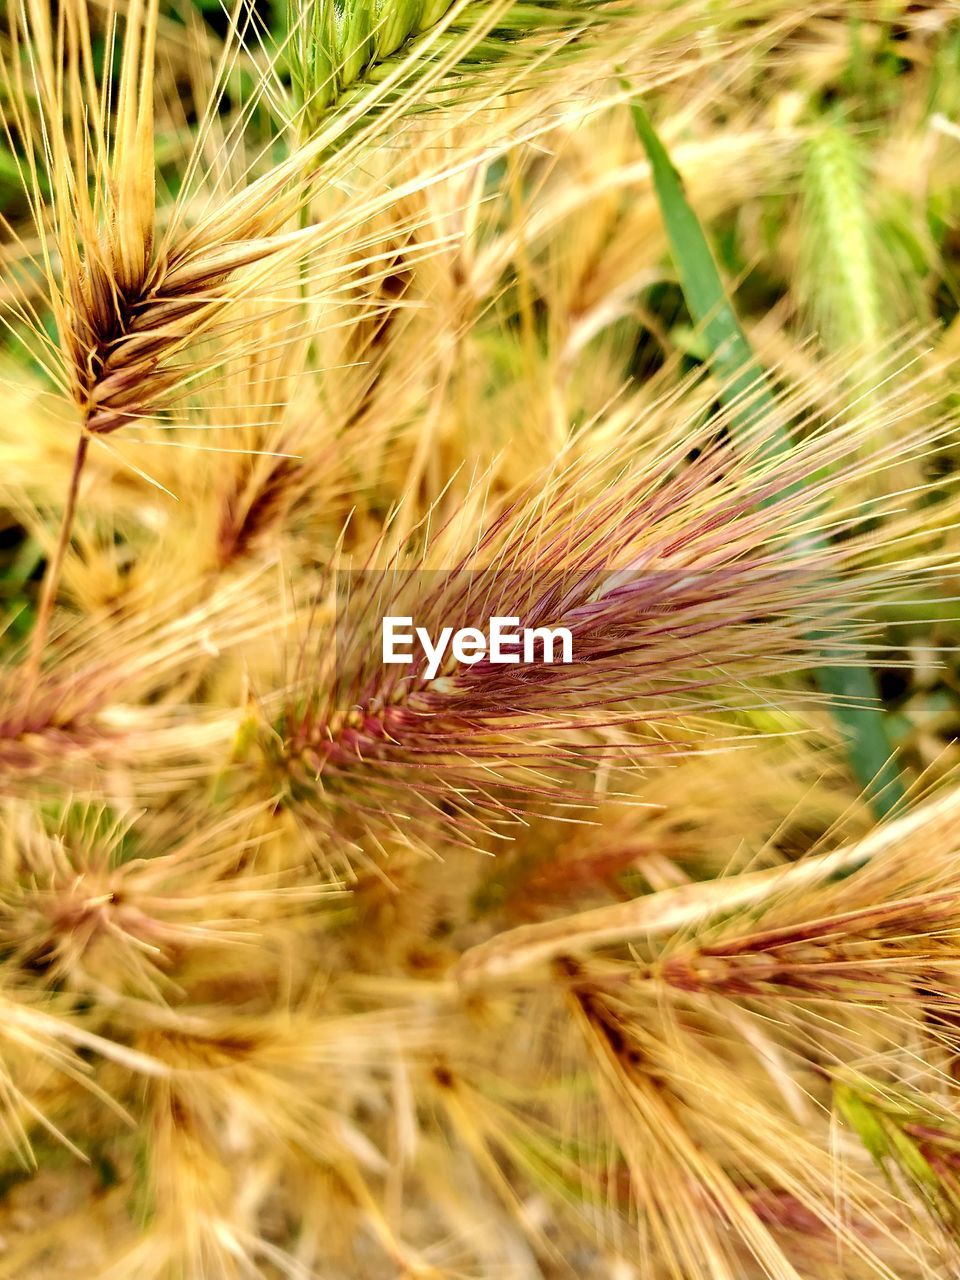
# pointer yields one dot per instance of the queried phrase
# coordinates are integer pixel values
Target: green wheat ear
(342, 49)
(838, 280)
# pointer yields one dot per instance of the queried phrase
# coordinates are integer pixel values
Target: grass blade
(853, 689)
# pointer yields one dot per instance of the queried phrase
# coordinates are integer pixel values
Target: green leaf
(852, 688)
(740, 375)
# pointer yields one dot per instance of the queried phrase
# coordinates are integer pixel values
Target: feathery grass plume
(124, 300)
(127, 296)
(394, 343)
(256, 1105)
(131, 298)
(678, 1138)
(699, 1172)
(856, 966)
(858, 909)
(116, 260)
(866, 246)
(672, 580)
(868, 961)
(129, 301)
(45, 1066)
(270, 457)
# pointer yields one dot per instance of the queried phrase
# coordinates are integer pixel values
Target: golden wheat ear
(100, 231)
(125, 303)
(130, 300)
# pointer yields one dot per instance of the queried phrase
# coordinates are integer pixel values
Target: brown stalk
(519, 950)
(52, 575)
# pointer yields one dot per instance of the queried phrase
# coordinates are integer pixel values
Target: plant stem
(51, 579)
(672, 910)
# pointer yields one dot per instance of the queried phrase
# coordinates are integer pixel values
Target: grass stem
(51, 578)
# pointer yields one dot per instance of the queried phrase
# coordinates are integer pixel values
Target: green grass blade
(852, 688)
(740, 375)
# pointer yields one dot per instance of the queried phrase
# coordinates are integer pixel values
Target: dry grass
(316, 967)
